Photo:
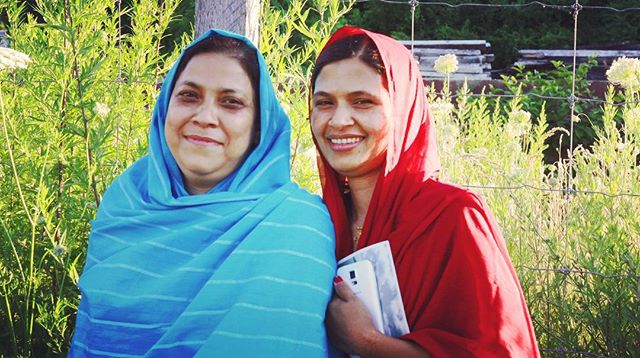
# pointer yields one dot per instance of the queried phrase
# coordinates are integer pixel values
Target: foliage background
(79, 115)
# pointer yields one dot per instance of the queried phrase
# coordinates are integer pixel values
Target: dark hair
(357, 46)
(235, 49)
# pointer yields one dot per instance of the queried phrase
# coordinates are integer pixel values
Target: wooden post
(239, 16)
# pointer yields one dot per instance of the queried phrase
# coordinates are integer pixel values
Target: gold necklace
(356, 235)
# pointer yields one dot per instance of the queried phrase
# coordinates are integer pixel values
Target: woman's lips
(344, 143)
(200, 140)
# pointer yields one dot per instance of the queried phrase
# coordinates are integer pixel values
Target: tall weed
(576, 249)
(73, 120)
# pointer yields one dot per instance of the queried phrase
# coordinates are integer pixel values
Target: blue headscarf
(245, 269)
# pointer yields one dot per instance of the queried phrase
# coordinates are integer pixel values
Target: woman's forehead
(349, 75)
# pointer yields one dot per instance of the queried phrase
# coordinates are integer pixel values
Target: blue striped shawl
(243, 270)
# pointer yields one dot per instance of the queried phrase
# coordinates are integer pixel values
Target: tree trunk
(239, 16)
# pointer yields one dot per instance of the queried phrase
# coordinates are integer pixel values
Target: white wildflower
(480, 151)
(632, 115)
(446, 64)
(11, 59)
(59, 250)
(520, 116)
(519, 123)
(515, 129)
(517, 172)
(449, 136)
(625, 72)
(441, 109)
(513, 147)
(102, 109)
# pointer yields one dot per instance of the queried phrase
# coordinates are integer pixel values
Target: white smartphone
(361, 276)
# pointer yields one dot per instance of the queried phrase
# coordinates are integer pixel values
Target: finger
(343, 291)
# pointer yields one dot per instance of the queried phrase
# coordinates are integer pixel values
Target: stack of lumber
(474, 58)
(540, 59)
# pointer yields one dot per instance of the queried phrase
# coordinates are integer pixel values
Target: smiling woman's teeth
(345, 140)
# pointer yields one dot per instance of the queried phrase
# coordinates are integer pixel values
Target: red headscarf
(460, 291)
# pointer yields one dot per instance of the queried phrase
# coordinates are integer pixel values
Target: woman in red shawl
(379, 167)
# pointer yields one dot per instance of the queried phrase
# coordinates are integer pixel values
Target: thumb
(343, 291)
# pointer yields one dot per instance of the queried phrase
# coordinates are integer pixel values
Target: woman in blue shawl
(243, 269)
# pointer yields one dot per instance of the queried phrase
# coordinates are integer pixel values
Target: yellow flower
(11, 59)
(446, 64)
(625, 72)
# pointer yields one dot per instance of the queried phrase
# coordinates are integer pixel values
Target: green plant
(553, 88)
(576, 251)
(71, 122)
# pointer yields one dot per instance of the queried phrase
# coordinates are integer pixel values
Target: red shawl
(461, 294)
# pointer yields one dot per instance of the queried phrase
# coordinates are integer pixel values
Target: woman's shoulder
(298, 198)
(135, 173)
(300, 213)
(456, 196)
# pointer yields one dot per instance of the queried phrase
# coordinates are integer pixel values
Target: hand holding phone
(361, 277)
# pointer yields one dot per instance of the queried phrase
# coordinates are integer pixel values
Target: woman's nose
(207, 114)
(341, 117)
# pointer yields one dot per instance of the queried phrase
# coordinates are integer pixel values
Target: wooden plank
(461, 69)
(456, 76)
(464, 59)
(445, 51)
(545, 53)
(528, 62)
(481, 45)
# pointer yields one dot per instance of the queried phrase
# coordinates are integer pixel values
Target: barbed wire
(563, 351)
(512, 6)
(117, 81)
(453, 96)
(551, 190)
(567, 271)
(541, 96)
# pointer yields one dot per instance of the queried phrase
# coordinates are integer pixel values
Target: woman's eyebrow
(362, 93)
(187, 83)
(320, 94)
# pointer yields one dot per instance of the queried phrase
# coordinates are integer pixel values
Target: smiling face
(210, 120)
(350, 117)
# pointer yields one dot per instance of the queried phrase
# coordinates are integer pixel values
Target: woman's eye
(363, 102)
(232, 103)
(187, 95)
(322, 103)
